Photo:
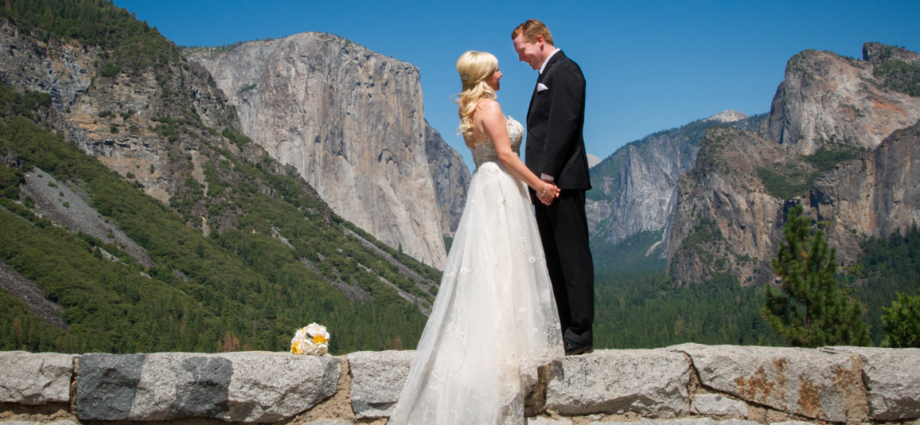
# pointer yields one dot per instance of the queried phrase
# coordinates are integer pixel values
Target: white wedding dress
(494, 320)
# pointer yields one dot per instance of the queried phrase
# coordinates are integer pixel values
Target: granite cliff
(826, 99)
(841, 139)
(451, 179)
(352, 123)
(875, 195)
(725, 220)
(635, 189)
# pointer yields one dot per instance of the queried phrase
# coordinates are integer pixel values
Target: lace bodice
(485, 150)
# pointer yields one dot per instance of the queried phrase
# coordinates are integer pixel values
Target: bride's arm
(495, 127)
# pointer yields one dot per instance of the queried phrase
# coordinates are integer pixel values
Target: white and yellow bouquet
(311, 339)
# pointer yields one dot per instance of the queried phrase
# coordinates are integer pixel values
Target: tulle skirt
(494, 321)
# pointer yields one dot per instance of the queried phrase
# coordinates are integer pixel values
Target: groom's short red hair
(531, 29)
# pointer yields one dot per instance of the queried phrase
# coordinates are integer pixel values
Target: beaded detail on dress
(485, 150)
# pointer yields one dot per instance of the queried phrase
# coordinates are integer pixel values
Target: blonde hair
(531, 29)
(474, 68)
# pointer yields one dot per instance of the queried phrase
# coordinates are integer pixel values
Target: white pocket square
(541, 87)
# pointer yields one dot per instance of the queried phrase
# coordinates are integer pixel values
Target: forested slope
(238, 251)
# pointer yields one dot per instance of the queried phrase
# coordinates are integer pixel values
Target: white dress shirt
(542, 67)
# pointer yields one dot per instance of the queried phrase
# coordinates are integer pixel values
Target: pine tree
(902, 322)
(809, 308)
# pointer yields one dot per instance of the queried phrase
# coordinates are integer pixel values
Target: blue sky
(649, 65)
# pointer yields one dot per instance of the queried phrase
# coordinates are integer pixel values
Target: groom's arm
(565, 116)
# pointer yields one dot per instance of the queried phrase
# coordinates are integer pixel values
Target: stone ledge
(892, 379)
(652, 383)
(236, 387)
(377, 381)
(688, 384)
(34, 379)
(686, 421)
(810, 383)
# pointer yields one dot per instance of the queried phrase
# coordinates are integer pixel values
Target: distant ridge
(728, 115)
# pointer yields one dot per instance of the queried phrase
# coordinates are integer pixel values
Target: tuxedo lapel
(540, 77)
(532, 97)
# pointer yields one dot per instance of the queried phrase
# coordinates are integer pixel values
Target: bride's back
(484, 151)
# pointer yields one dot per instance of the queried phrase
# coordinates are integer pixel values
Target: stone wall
(687, 384)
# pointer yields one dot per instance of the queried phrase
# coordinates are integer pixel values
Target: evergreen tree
(902, 322)
(810, 309)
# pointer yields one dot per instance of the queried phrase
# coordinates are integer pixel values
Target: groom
(555, 151)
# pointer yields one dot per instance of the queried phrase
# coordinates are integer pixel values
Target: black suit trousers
(564, 229)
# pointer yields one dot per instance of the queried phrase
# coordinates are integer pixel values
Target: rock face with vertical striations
(352, 122)
(451, 179)
(638, 182)
(875, 195)
(635, 189)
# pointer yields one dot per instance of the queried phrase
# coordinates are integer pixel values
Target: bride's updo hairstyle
(474, 68)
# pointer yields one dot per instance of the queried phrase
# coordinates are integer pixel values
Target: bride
(494, 320)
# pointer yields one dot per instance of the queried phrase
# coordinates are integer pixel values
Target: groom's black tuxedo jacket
(555, 120)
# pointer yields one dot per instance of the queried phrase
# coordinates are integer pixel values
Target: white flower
(302, 346)
(314, 329)
(312, 339)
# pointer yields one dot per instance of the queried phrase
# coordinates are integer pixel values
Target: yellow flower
(319, 339)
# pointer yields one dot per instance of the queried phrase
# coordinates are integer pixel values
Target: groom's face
(529, 52)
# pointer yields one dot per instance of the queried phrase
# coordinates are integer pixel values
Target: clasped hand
(547, 196)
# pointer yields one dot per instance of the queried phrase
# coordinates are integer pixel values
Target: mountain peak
(728, 116)
(878, 53)
(593, 160)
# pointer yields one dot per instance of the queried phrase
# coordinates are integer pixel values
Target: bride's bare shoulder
(488, 106)
(489, 110)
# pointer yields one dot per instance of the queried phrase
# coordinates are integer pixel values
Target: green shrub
(110, 70)
(826, 159)
(899, 76)
(780, 186)
(236, 137)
